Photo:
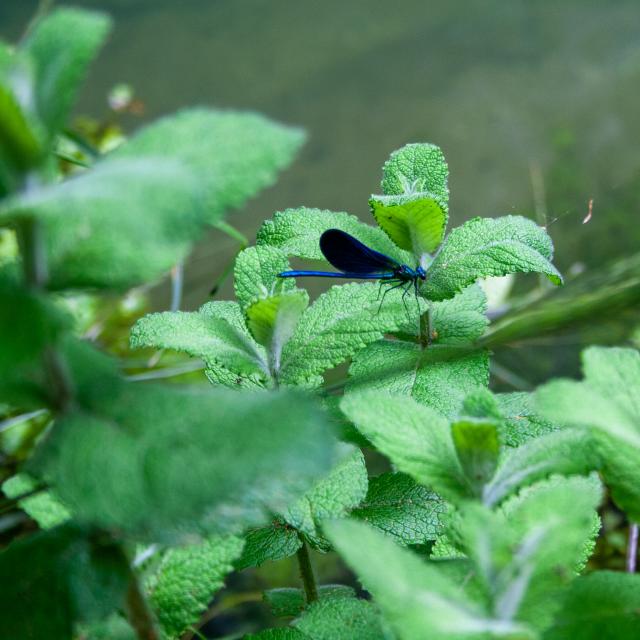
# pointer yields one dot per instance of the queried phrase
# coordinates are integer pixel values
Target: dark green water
(507, 89)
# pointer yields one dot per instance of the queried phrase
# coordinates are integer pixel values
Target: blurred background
(535, 105)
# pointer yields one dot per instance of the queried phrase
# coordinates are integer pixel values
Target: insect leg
(395, 286)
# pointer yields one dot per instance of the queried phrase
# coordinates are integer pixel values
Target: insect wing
(348, 254)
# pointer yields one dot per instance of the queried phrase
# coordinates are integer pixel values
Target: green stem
(306, 573)
(36, 275)
(138, 612)
(632, 548)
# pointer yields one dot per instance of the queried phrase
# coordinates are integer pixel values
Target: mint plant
(128, 504)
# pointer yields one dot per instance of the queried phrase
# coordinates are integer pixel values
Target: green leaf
(462, 319)
(115, 627)
(440, 376)
(404, 510)
(187, 579)
(556, 524)
(288, 602)
(44, 507)
(274, 542)
(62, 45)
(524, 555)
(414, 222)
(216, 334)
(29, 324)
(341, 619)
(55, 579)
(478, 448)
(489, 247)
(414, 168)
(417, 599)
(234, 154)
(604, 604)
(119, 224)
(607, 403)
(566, 452)
(335, 327)
(332, 497)
(20, 139)
(415, 438)
(297, 232)
(161, 462)
(273, 320)
(256, 275)
(521, 421)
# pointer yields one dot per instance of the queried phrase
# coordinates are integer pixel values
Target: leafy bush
(146, 496)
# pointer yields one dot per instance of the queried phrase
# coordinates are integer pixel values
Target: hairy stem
(632, 548)
(138, 612)
(306, 573)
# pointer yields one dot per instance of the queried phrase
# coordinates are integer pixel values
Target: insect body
(358, 262)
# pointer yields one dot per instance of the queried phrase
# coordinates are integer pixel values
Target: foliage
(488, 515)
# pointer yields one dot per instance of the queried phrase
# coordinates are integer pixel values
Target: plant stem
(306, 573)
(632, 548)
(36, 275)
(138, 612)
(177, 281)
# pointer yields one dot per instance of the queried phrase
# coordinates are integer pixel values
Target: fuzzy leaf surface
(332, 497)
(163, 461)
(340, 618)
(603, 604)
(521, 420)
(335, 327)
(273, 320)
(489, 247)
(216, 334)
(289, 602)
(187, 579)
(414, 437)
(605, 402)
(414, 168)
(415, 223)
(566, 452)
(440, 376)
(416, 598)
(553, 525)
(43, 507)
(256, 275)
(273, 542)
(235, 154)
(398, 506)
(123, 222)
(62, 45)
(297, 233)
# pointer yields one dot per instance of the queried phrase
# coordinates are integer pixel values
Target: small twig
(508, 376)
(23, 417)
(138, 612)
(306, 573)
(243, 243)
(589, 212)
(167, 372)
(44, 6)
(632, 548)
(177, 282)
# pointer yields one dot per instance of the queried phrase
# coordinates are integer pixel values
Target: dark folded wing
(346, 253)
